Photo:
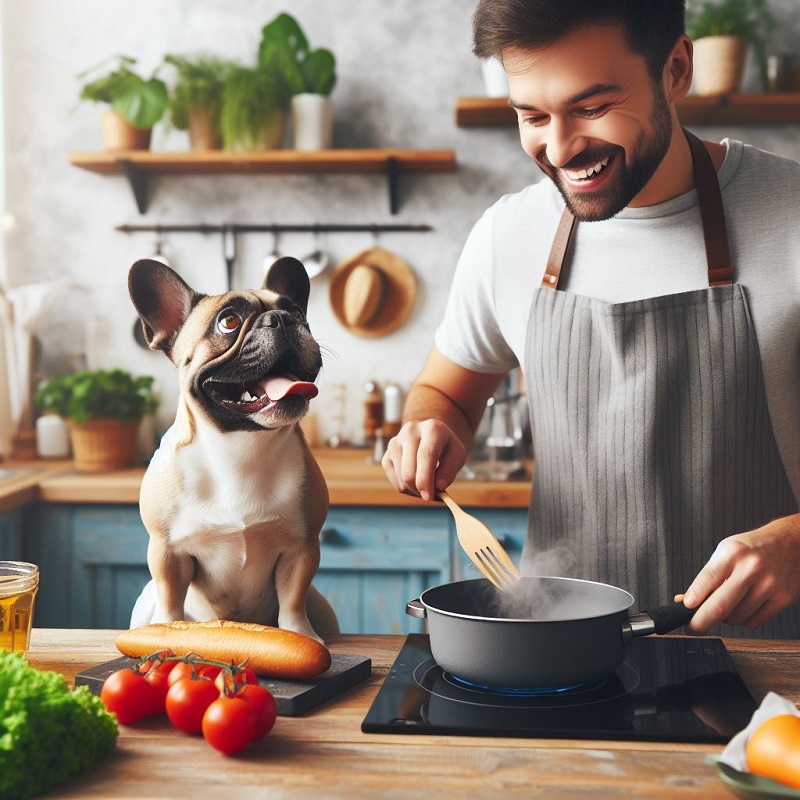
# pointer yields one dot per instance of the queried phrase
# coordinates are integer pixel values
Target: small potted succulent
(195, 99)
(103, 409)
(721, 31)
(307, 77)
(136, 103)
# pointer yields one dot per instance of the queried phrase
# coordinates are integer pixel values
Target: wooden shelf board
(755, 109)
(369, 161)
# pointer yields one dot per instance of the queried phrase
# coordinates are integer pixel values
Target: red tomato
(187, 701)
(158, 678)
(263, 704)
(182, 669)
(127, 694)
(229, 724)
(210, 671)
(245, 676)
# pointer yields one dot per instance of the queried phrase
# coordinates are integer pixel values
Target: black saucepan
(551, 632)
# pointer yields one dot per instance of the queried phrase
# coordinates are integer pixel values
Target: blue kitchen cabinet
(93, 561)
(374, 560)
(11, 535)
(509, 525)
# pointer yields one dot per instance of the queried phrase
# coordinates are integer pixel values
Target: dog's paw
(300, 626)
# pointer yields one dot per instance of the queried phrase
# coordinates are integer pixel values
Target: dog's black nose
(275, 319)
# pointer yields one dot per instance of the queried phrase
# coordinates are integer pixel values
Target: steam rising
(532, 599)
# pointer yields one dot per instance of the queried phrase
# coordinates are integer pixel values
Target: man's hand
(441, 413)
(424, 458)
(749, 578)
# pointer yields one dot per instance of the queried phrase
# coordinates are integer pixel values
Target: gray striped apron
(651, 434)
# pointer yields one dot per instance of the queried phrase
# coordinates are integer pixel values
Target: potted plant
(195, 99)
(136, 103)
(307, 76)
(721, 31)
(253, 110)
(103, 409)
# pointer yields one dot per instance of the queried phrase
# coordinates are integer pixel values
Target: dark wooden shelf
(139, 165)
(748, 109)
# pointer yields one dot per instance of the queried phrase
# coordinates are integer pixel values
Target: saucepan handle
(658, 620)
(414, 608)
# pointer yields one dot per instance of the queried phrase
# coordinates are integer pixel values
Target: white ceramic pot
(312, 120)
(718, 65)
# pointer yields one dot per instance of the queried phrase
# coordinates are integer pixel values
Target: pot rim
(627, 596)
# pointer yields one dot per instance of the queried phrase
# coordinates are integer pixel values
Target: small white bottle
(52, 437)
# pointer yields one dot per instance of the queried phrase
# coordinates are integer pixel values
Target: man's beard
(648, 152)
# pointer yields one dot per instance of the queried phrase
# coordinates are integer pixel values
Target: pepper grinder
(373, 410)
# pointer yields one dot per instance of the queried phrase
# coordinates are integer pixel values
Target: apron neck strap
(712, 214)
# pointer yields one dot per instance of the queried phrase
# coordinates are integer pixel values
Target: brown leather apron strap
(715, 231)
(712, 214)
(558, 250)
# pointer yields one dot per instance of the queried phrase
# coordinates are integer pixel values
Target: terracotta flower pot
(719, 64)
(202, 135)
(104, 445)
(119, 134)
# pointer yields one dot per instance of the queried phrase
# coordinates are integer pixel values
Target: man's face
(592, 119)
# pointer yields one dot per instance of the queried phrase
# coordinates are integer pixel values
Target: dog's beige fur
(233, 509)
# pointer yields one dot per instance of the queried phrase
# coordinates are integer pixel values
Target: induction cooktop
(674, 689)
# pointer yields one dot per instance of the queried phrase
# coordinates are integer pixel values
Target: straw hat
(372, 292)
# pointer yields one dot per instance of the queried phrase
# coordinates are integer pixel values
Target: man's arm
(441, 414)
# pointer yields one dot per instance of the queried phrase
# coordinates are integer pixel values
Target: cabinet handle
(331, 536)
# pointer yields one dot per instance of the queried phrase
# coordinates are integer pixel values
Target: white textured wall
(401, 67)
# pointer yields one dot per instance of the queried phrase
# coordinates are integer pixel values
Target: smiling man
(649, 289)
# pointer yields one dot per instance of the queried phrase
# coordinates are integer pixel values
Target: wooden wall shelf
(139, 165)
(747, 109)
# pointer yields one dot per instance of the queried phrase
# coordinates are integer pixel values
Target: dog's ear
(163, 299)
(288, 276)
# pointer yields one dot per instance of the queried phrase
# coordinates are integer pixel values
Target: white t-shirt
(642, 252)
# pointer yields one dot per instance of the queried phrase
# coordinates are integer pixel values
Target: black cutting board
(291, 697)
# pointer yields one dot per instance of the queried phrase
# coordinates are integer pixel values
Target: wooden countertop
(324, 754)
(351, 481)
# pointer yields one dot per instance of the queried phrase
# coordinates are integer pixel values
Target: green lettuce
(47, 732)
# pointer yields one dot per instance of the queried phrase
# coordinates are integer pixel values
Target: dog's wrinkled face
(246, 359)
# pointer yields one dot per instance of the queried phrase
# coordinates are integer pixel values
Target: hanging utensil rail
(275, 228)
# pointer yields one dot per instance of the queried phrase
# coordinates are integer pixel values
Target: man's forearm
(426, 402)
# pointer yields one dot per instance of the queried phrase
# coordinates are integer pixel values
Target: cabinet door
(509, 525)
(93, 560)
(11, 535)
(374, 560)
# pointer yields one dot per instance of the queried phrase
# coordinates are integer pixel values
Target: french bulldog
(233, 499)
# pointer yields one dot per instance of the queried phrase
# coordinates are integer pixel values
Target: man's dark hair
(650, 26)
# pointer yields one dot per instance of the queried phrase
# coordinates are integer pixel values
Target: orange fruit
(773, 750)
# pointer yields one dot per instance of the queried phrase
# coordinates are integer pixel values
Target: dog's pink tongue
(276, 387)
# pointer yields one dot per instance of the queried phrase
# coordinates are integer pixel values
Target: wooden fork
(481, 545)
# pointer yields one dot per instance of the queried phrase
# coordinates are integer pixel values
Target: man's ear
(163, 299)
(677, 75)
(288, 277)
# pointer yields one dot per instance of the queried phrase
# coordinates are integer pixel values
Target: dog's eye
(298, 313)
(228, 322)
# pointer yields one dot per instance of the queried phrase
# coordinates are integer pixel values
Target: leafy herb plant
(285, 51)
(199, 84)
(141, 101)
(101, 394)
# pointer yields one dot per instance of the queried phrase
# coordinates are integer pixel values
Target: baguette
(269, 652)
